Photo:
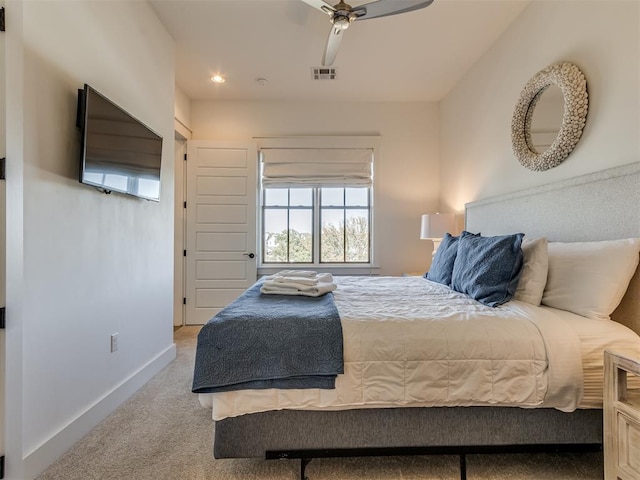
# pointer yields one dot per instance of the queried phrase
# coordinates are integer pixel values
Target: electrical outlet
(114, 342)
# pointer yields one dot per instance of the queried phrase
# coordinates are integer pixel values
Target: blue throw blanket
(270, 341)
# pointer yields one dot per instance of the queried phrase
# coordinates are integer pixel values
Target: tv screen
(119, 153)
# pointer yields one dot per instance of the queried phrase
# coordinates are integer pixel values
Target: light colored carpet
(161, 432)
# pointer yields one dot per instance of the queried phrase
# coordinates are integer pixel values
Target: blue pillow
(444, 258)
(488, 268)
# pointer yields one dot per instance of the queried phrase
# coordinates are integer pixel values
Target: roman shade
(316, 167)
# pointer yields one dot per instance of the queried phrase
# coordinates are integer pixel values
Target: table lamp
(435, 225)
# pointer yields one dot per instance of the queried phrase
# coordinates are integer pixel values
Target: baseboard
(44, 455)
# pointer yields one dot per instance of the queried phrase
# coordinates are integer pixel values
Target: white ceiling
(416, 56)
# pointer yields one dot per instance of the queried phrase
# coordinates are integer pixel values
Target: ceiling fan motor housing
(342, 16)
(341, 21)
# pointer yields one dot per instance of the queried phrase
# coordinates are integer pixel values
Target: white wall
(407, 183)
(86, 264)
(602, 39)
(183, 113)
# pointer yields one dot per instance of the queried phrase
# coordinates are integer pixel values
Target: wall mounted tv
(119, 153)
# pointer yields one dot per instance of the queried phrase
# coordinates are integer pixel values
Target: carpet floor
(162, 432)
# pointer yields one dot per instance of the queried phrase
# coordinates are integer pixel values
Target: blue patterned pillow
(444, 258)
(488, 268)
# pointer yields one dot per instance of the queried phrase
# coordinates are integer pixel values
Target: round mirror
(558, 91)
(546, 119)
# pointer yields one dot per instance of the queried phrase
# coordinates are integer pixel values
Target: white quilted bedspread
(410, 342)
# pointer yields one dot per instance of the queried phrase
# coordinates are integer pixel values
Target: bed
(309, 424)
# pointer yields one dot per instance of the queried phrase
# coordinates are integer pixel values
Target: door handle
(250, 255)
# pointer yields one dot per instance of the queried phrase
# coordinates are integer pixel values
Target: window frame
(288, 208)
(316, 209)
(345, 208)
(319, 142)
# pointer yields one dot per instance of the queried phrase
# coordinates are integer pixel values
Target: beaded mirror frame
(573, 84)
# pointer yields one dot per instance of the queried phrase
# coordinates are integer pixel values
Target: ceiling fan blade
(321, 5)
(333, 42)
(384, 8)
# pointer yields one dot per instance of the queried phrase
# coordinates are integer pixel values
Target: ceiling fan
(342, 14)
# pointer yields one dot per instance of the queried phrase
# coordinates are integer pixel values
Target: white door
(221, 225)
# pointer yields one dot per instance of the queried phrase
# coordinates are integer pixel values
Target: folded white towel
(297, 273)
(292, 285)
(325, 278)
(295, 280)
(271, 288)
(320, 278)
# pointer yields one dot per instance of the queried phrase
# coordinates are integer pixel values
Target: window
(316, 225)
(288, 225)
(316, 200)
(344, 217)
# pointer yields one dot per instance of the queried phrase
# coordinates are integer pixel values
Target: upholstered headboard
(599, 206)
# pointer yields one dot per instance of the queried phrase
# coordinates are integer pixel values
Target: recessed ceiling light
(218, 79)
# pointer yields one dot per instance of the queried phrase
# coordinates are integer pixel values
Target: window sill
(333, 269)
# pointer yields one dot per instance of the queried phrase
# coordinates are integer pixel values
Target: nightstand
(621, 417)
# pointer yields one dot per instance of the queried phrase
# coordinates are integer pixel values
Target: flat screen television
(119, 153)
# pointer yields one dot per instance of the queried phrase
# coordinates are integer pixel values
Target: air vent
(323, 73)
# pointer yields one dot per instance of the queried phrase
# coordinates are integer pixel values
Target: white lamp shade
(435, 225)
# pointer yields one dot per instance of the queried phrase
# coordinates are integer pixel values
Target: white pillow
(534, 271)
(590, 278)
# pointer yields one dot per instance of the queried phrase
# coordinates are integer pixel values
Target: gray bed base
(295, 431)
(305, 435)
(598, 206)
